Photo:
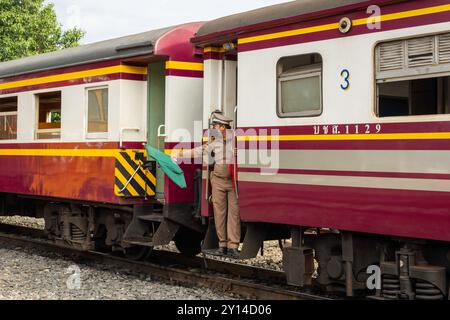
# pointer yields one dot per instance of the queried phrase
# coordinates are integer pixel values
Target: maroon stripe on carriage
(72, 145)
(405, 175)
(219, 56)
(357, 30)
(294, 19)
(348, 145)
(184, 73)
(357, 13)
(57, 71)
(370, 210)
(361, 128)
(109, 77)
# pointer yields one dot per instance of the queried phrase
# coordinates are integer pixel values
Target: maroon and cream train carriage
(346, 107)
(73, 125)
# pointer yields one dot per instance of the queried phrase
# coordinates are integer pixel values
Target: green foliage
(55, 117)
(29, 27)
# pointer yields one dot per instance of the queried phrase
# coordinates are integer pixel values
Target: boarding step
(152, 218)
(141, 241)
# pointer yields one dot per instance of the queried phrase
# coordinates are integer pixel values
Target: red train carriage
(343, 121)
(73, 125)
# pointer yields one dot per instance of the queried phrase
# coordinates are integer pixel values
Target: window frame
(304, 72)
(94, 135)
(37, 108)
(11, 113)
(436, 72)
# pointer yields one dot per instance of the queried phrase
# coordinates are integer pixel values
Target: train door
(229, 88)
(220, 94)
(229, 92)
(156, 116)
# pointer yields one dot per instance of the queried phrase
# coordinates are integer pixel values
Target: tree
(29, 27)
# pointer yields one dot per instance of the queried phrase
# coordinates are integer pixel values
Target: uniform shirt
(218, 152)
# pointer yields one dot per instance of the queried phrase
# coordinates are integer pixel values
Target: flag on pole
(168, 166)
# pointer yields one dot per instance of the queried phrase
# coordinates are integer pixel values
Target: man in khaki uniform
(226, 208)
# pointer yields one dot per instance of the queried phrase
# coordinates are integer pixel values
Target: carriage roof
(275, 15)
(118, 48)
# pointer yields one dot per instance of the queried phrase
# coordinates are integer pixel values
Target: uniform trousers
(226, 212)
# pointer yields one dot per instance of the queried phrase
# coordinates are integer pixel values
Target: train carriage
(343, 118)
(73, 125)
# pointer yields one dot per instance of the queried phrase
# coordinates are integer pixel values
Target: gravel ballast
(30, 275)
(24, 222)
(27, 274)
(272, 258)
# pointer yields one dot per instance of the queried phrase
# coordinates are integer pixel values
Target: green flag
(168, 166)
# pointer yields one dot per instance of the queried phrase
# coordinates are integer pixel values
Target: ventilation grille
(421, 52)
(444, 48)
(392, 56)
(414, 53)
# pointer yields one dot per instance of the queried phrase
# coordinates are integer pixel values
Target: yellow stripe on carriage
(214, 49)
(115, 153)
(95, 153)
(180, 65)
(405, 14)
(73, 76)
(353, 137)
(290, 33)
(357, 22)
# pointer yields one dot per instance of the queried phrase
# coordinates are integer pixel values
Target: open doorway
(229, 86)
(156, 116)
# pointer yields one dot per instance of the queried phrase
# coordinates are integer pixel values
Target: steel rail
(230, 278)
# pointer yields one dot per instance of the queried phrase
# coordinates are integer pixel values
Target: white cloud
(105, 19)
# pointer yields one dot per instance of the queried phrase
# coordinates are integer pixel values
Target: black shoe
(233, 253)
(220, 252)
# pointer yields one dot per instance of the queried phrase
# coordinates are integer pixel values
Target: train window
(413, 76)
(300, 86)
(97, 125)
(48, 115)
(414, 97)
(8, 118)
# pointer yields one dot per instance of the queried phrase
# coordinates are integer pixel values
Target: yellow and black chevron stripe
(143, 183)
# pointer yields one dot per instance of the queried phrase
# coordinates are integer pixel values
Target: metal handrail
(207, 167)
(160, 134)
(122, 130)
(129, 181)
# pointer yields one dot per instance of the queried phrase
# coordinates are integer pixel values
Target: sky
(106, 19)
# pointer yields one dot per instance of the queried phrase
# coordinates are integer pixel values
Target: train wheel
(138, 253)
(188, 242)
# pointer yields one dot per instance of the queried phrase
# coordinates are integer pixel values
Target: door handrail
(122, 130)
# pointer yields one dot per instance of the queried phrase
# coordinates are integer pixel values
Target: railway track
(242, 280)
